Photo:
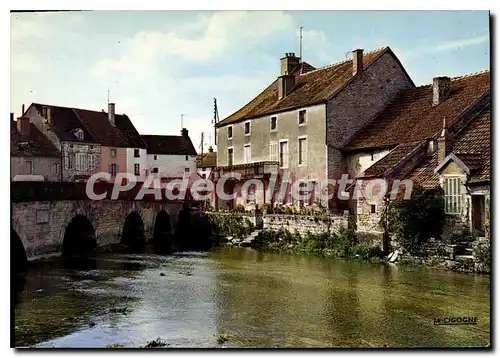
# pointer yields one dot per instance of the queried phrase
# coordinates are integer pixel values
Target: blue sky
(159, 64)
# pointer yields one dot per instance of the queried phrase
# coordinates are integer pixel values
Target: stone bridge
(50, 219)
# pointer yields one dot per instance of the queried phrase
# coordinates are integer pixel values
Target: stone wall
(303, 224)
(41, 225)
(48, 167)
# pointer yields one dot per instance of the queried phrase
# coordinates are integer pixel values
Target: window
(79, 134)
(186, 170)
(187, 157)
(154, 170)
(373, 209)
(247, 128)
(203, 176)
(71, 160)
(274, 123)
(302, 151)
(136, 153)
(29, 167)
(247, 153)
(452, 195)
(302, 117)
(112, 170)
(155, 157)
(284, 154)
(45, 112)
(81, 161)
(112, 153)
(55, 168)
(273, 151)
(137, 169)
(229, 132)
(230, 156)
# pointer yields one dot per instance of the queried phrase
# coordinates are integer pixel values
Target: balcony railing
(249, 170)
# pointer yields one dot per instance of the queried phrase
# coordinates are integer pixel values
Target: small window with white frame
(302, 150)
(302, 117)
(274, 124)
(273, 151)
(452, 195)
(247, 128)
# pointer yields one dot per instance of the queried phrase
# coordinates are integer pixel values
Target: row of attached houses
(366, 118)
(83, 142)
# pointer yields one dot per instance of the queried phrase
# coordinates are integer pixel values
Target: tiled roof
(312, 86)
(206, 160)
(125, 125)
(475, 138)
(102, 130)
(411, 115)
(472, 146)
(65, 121)
(36, 144)
(380, 167)
(95, 125)
(423, 173)
(169, 144)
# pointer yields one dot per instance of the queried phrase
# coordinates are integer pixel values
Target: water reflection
(262, 299)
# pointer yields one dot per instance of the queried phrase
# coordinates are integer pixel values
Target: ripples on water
(261, 299)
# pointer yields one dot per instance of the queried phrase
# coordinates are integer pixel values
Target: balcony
(254, 170)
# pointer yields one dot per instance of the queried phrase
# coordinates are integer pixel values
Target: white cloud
(446, 46)
(223, 30)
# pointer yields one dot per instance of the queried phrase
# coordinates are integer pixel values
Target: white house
(170, 156)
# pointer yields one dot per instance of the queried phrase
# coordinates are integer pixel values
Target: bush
(367, 251)
(416, 220)
(482, 256)
(225, 225)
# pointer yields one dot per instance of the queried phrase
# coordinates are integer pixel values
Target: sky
(158, 65)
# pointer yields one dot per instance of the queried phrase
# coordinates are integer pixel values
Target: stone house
(436, 134)
(298, 125)
(80, 151)
(91, 141)
(32, 155)
(170, 156)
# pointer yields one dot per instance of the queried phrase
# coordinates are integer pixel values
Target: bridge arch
(133, 230)
(79, 237)
(162, 231)
(18, 257)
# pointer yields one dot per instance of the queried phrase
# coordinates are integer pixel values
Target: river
(261, 299)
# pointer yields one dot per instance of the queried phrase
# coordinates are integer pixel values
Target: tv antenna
(300, 43)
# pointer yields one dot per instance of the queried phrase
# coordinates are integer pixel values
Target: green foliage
(240, 208)
(482, 256)
(157, 343)
(265, 207)
(115, 345)
(236, 226)
(416, 220)
(223, 338)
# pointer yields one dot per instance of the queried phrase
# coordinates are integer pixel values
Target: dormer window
(79, 134)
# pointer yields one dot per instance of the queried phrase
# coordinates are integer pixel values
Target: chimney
(12, 122)
(285, 85)
(22, 114)
(288, 63)
(444, 145)
(111, 113)
(357, 62)
(23, 126)
(184, 132)
(441, 88)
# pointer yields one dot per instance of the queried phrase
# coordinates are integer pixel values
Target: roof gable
(452, 158)
(312, 86)
(411, 115)
(36, 144)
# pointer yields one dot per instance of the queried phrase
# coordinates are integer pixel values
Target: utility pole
(300, 44)
(215, 119)
(182, 120)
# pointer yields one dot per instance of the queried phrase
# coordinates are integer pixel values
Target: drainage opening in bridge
(18, 259)
(163, 237)
(133, 231)
(79, 238)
